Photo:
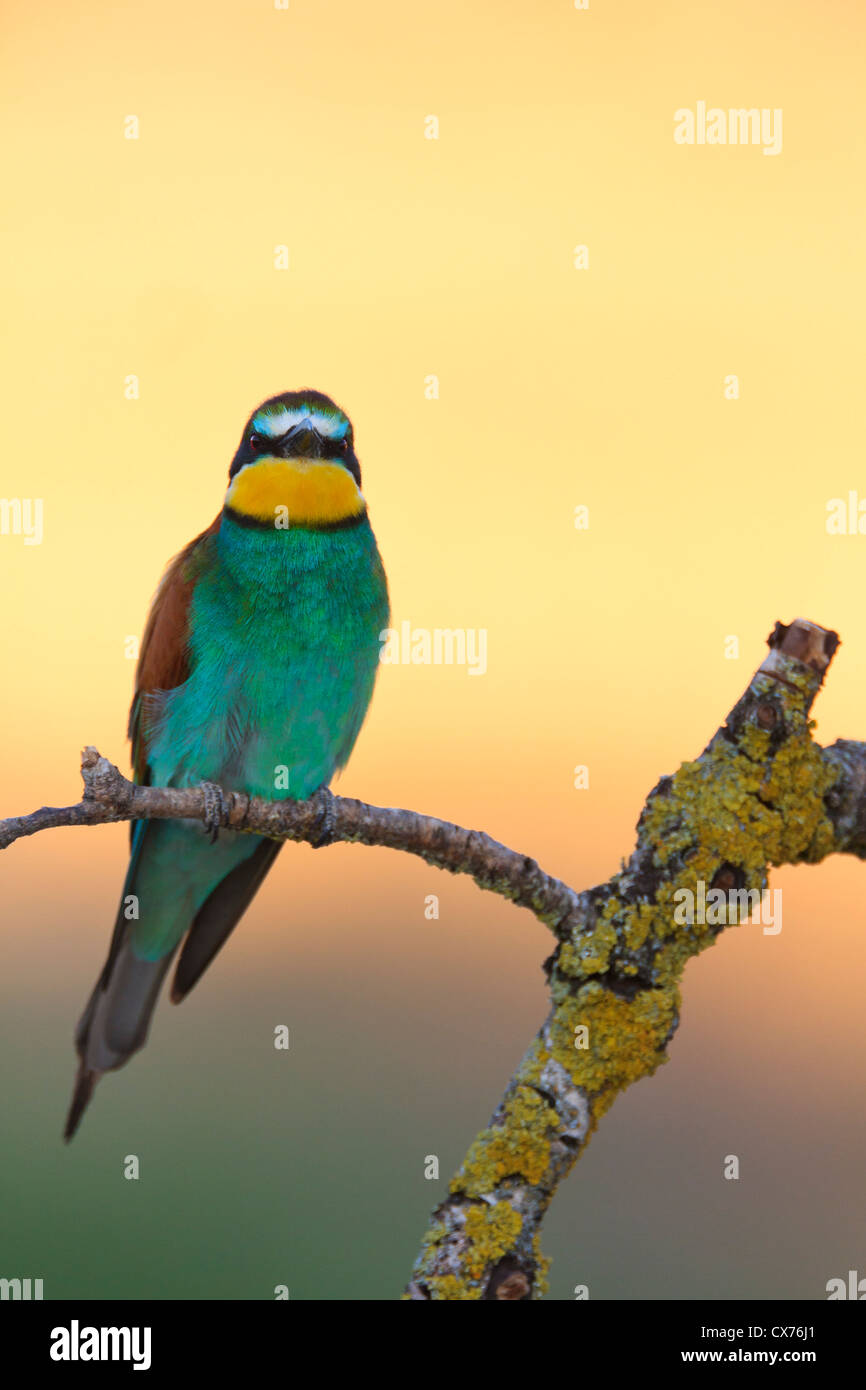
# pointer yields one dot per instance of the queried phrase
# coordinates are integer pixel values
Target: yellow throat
(300, 491)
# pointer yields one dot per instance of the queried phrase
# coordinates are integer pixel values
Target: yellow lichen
(589, 953)
(518, 1147)
(747, 811)
(492, 1231)
(542, 1266)
(755, 742)
(451, 1289)
(736, 805)
(625, 1039)
(434, 1234)
(638, 922)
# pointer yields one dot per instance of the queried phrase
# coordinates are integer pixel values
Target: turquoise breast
(284, 648)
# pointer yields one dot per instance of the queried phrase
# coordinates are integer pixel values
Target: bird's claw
(327, 818)
(216, 812)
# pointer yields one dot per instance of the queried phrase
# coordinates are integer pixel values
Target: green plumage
(284, 645)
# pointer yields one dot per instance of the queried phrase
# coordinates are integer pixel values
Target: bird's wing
(163, 662)
(219, 914)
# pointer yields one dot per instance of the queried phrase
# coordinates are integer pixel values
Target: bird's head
(297, 453)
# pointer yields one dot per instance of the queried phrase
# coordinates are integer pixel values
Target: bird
(255, 673)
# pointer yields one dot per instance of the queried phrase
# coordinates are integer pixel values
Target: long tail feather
(84, 1087)
(115, 1023)
(169, 862)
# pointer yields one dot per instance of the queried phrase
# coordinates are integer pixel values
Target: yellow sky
(410, 257)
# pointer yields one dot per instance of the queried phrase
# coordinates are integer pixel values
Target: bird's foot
(327, 818)
(216, 811)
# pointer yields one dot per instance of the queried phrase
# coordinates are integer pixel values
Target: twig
(109, 796)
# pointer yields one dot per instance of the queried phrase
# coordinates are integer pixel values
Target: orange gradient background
(558, 387)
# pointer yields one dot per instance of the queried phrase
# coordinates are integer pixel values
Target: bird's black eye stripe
(330, 448)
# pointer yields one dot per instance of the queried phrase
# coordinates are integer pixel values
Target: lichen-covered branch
(762, 793)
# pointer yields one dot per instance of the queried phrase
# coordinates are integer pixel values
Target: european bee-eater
(256, 669)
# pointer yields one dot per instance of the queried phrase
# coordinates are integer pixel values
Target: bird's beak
(303, 441)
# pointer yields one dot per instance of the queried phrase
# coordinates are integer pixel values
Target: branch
(761, 793)
(109, 796)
